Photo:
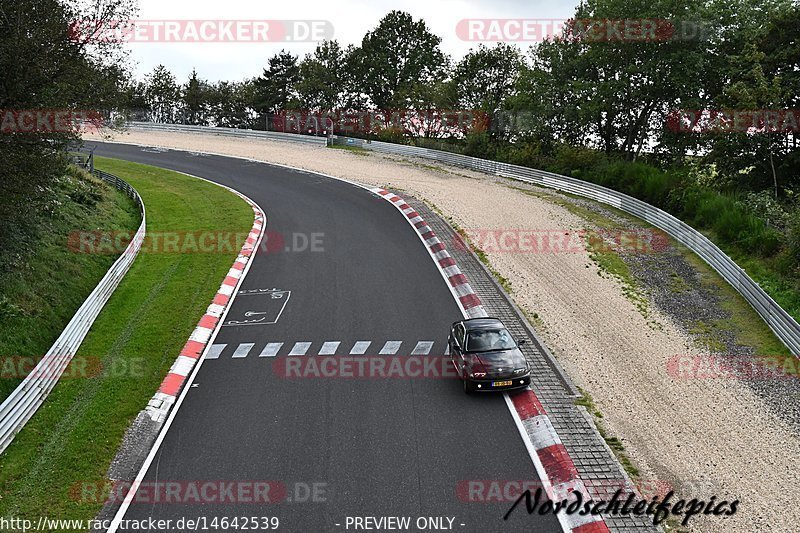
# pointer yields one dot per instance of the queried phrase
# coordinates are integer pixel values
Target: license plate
(502, 383)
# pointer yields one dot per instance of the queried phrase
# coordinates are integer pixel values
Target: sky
(350, 20)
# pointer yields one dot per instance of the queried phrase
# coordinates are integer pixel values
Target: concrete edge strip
(555, 467)
(167, 400)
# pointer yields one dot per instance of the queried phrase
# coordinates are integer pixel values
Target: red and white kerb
(468, 300)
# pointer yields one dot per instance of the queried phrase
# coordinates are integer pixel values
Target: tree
(162, 95)
(276, 88)
(613, 93)
(46, 67)
(762, 72)
(195, 100)
(322, 84)
(397, 61)
(485, 78)
(230, 104)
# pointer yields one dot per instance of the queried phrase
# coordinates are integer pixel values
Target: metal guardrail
(231, 132)
(780, 322)
(22, 403)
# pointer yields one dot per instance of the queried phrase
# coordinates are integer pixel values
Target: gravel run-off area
(725, 437)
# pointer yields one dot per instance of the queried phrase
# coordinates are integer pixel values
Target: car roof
(479, 323)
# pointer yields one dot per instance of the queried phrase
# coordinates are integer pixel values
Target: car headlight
(478, 374)
(520, 370)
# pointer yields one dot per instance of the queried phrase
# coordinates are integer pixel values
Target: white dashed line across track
(324, 348)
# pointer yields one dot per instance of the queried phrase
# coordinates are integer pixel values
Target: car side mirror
(522, 341)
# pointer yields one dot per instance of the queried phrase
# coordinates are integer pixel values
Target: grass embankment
(43, 286)
(74, 436)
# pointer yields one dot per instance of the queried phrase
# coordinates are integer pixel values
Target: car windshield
(485, 340)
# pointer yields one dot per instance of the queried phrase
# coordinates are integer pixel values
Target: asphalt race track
(370, 447)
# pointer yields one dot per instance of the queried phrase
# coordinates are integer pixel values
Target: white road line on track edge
(126, 502)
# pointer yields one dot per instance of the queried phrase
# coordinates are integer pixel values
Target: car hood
(505, 359)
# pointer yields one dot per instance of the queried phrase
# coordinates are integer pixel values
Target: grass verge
(49, 272)
(613, 442)
(354, 149)
(74, 436)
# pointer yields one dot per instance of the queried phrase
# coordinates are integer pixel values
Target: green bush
(391, 135)
(527, 155)
(480, 145)
(793, 240)
(569, 159)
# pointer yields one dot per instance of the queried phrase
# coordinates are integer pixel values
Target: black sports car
(486, 356)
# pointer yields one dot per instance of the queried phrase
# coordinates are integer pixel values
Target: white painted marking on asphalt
(300, 348)
(360, 348)
(422, 348)
(274, 294)
(390, 348)
(215, 350)
(271, 349)
(242, 350)
(329, 348)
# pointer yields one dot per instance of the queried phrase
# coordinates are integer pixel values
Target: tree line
(610, 110)
(616, 97)
(607, 109)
